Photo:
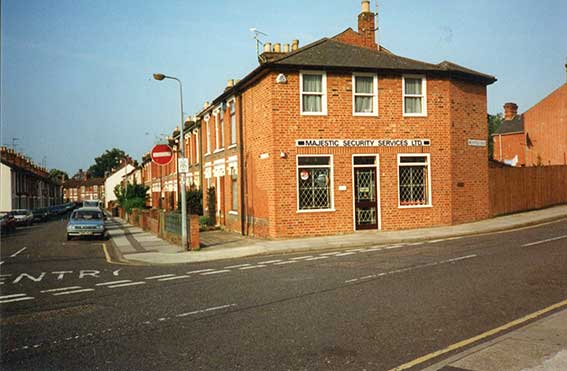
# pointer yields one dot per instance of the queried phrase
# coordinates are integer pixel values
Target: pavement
(135, 246)
(539, 346)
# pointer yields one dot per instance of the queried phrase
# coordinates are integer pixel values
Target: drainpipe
(243, 224)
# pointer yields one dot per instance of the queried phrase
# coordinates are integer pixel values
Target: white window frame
(423, 96)
(331, 185)
(374, 95)
(197, 145)
(323, 93)
(216, 116)
(207, 120)
(232, 114)
(428, 156)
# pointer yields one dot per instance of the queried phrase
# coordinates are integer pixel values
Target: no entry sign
(162, 154)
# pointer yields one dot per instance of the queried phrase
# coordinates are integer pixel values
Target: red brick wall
(546, 125)
(512, 145)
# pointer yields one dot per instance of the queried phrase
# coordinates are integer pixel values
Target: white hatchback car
(23, 216)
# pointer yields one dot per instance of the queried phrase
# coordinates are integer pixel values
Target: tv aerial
(256, 37)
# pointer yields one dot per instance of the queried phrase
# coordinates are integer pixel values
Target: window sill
(316, 211)
(415, 114)
(414, 206)
(218, 150)
(313, 113)
(232, 146)
(207, 154)
(231, 212)
(358, 114)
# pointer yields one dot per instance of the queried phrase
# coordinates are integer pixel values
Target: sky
(76, 74)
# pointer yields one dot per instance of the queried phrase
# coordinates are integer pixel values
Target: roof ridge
(300, 50)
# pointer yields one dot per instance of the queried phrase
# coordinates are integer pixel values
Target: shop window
(365, 95)
(414, 92)
(313, 93)
(414, 180)
(314, 178)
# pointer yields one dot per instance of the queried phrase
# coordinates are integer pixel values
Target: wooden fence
(526, 188)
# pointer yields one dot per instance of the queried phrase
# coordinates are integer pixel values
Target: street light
(160, 77)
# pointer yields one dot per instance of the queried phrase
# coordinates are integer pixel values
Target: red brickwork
(508, 146)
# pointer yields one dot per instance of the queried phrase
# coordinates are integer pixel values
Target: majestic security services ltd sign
(362, 143)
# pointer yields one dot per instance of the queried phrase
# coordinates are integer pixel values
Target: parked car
(23, 217)
(86, 221)
(40, 215)
(7, 221)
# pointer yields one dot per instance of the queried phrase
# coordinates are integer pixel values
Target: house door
(365, 200)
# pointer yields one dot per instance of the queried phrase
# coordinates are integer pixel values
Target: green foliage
(494, 122)
(203, 220)
(109, 160)
(133, 196)
(212, 205)
(195, 201)
(56, 175)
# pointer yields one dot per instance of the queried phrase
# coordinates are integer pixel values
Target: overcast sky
(76, 74)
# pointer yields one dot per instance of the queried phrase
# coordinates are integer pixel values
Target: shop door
(365, 203)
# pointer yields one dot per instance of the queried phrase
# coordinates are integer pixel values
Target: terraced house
(343, 135)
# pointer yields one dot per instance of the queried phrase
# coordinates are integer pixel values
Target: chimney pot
(286, 48)
(268, 47)
(365, 6)
(277, 48)
(230, 83)
(510, 110)
(206, 104)
(294, 45)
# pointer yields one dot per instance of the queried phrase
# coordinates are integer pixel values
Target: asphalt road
(370, 309)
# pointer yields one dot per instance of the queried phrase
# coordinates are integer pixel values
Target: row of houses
(333, 137)
(24, 184)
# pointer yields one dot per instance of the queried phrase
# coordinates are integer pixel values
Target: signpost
(162, 154)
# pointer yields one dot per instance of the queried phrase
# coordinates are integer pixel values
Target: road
(372, 309)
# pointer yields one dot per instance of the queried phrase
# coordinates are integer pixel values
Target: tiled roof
(516, 125)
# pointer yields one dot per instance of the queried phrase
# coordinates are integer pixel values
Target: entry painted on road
(56, 275)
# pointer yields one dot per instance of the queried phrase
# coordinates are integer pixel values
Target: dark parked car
(7, 221)
(40, 215)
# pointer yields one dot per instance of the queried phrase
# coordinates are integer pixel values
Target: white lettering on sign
(88, 272)
(363, 143)
(61, 274)
(35, 279)
(477, 142)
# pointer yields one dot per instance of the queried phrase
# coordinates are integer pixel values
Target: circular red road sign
(162, 154)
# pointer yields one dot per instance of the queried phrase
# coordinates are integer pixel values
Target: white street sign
(183, 165)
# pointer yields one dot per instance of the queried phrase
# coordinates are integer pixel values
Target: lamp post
(160, 77)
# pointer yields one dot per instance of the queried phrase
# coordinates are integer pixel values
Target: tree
(108, 161)
(494, 122)
(133, 196)
(57, 175)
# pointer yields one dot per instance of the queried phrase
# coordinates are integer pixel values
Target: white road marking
(126, 284)
(252, 267)
(1, 262)
(17, 252)
(345, 254)
(237, 266)
(373, 249)
(286, 262)
(173, 278)
(330, 253)
(205, 310)
(356, 250)
(112, 282)
(11, 296)
(201, 271)
(317, 258)
(270, 261)
(61, 289)
(72, 292)
(215, 272)
(302, 257)
(157, 277)
(408, 269)
(415, 243)
(545, 241)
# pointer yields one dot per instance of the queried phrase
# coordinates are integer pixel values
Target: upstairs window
(233, 122)
(365, 95)
(414, 91)
(221, 146)
(313, 93)
(208, 133)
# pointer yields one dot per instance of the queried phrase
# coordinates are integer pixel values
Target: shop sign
(362, 143)
(304, 174)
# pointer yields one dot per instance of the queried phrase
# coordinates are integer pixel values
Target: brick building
(82, 187)
(25, 185)
(537, 137)
(342, 135)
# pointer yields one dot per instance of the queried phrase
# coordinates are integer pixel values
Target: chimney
(286, 49)
(510, 111)
(277, 48)
(367, 25)
(268, 47)
(294, 45)
(230, 83)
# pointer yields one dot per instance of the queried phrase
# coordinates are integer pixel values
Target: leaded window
(314, 182)
(413, 173)
(414, 96)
